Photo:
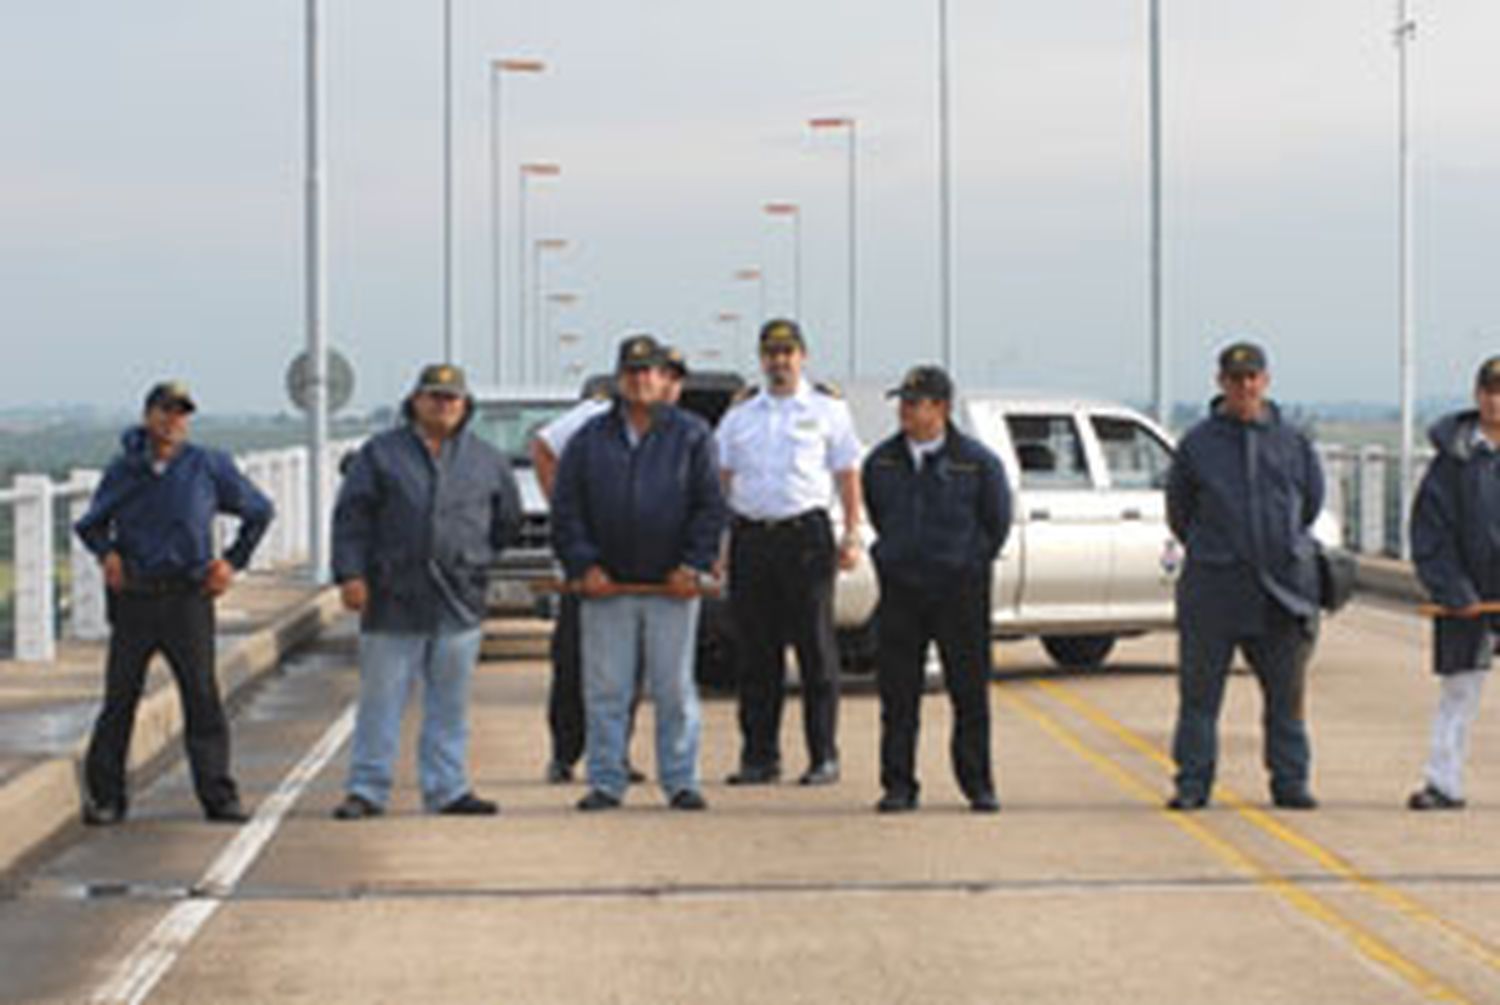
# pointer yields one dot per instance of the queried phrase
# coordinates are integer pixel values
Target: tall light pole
(755, 274)
(450, 281)
(315, 293)
(538, 246)
(945, 199)
(1406, 30)
(534, 169)
(1159, 393)
(847, 124)
(560, 299)
(498, 68)
(568, 341)
(731, 320)
(791, 209)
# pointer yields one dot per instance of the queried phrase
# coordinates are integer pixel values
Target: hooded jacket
(638, 511)
(422, 530)
(1242, 498)
(162, 524)
(1455, 538)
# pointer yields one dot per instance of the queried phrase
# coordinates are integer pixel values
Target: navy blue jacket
(162, 524)
(422, 531)
(639, 512)
(1455, 539)
(1242, 498)
(944, 523)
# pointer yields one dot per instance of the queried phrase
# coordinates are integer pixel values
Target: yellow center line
(1403, 904)
(1366, 943)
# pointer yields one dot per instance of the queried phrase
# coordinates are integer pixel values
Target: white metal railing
(35, 500)
(1364, 491)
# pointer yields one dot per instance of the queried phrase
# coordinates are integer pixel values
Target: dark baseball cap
(781, 333)
(924, 383)
(1242, 357)
(442, 378)
(640, 352)
(170, 394)
(1488, 376)
(675, 360)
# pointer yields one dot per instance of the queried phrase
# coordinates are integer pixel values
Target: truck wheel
(1078, 652)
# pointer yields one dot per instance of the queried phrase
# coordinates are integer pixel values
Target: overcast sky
(151, 179)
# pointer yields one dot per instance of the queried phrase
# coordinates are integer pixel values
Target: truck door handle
(1041, 514)
(1131, 514)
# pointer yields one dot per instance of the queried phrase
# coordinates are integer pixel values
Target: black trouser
(180, 624)
(956, 616)
(1278, 655)
(781, 592)
(565, 716)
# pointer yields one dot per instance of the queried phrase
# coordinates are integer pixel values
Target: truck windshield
(510, 425)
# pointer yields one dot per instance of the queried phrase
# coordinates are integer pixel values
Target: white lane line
(136, 976)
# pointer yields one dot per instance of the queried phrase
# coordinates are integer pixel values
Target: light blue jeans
(388, 663)
(617, 634)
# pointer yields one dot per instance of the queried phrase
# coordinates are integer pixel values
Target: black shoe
(559, 773)
(636, 775)
(226, 813)
(688, 799)
(1430, 797)
(356, 808)
(102, 814)
(755, 774)
(897, 802)
(1183, 803)
(822, 773)
(1294, 799)
(470, 805)
(598, 799)
(985, 802)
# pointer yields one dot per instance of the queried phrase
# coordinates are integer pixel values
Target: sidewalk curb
(39, 802)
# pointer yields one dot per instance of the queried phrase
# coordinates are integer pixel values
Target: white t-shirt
(784, 450)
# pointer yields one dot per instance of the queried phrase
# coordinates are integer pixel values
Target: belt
(163, 585)
(796, 522)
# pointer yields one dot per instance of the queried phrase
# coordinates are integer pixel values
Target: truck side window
(1136, 458)
(1050, 452)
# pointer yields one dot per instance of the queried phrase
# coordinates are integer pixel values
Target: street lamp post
(538, 246)
(755, 274)
(560, 299)
(791, 209)
(315, 293)
(1406, 30)
(568, 341)
(450, 284)
(847, 124)
(731, 319)
(498, 68)
(534, 169)
(945, 199)
(1159, 388)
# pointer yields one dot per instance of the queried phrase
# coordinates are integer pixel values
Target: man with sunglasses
(782, 451)
(1243, 492)
(423, 512)
(151, 525)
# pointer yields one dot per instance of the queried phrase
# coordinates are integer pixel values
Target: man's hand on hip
(220, 575)
(114, 571)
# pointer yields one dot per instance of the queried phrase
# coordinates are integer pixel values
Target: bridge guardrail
(51, 587)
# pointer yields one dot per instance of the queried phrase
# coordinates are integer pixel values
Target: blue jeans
(618, 633)
(388, 663)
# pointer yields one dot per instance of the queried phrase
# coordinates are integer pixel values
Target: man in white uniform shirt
(783, 450)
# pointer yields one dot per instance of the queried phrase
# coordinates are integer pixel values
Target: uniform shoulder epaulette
(745, 393)
(600, 395)
(828, 388)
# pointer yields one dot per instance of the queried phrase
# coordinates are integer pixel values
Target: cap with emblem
(781, 333)
(640, 352)
(442, 378)
(170, 394)
(1242, 357)
(1488, 377)
(675, 360)
(924, 383)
